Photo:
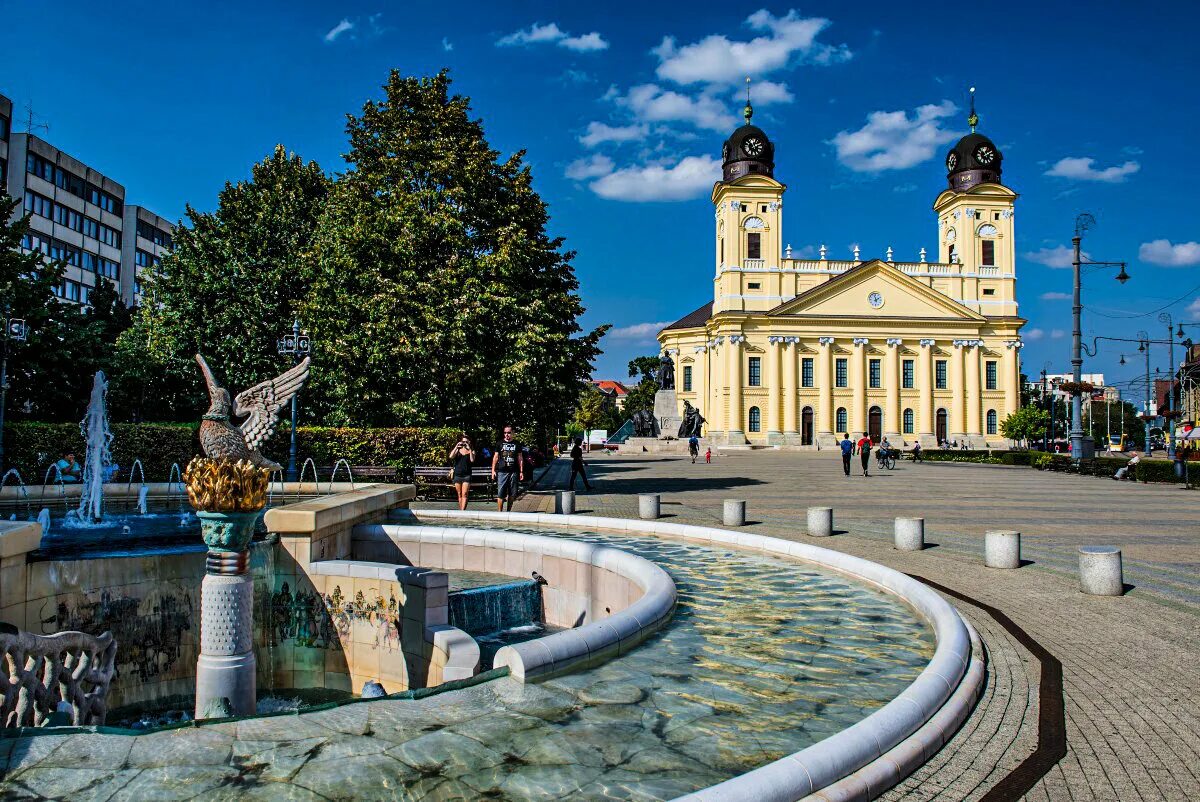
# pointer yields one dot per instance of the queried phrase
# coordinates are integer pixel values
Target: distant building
(614, 389)
(79, 216)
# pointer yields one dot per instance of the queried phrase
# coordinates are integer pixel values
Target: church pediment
(875, 289)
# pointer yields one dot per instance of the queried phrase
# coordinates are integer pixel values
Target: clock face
(985, 154)
(875, 299)
(753, 146)
(951, 161)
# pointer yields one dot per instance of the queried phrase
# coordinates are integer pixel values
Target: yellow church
(796, 352)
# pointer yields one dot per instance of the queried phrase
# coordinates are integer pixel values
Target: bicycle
(887, 458)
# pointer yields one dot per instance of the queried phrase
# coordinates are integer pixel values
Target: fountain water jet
(98, 436)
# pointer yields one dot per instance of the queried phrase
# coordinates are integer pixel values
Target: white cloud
(598, 133)
(1163, 252)
(1057, 334)
(691, 177)
(1055, 296)
(339, 29)
(1059, 256)
(447, 45)
(592, 167)
(1080, 168)
(892, 140)
(651, 103)
(1033, 335)
(1194, 309)
(638, 332)
(550, 33)
(785, 41)
(764, 93)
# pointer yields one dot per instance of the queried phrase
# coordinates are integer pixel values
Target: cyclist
(882, 455)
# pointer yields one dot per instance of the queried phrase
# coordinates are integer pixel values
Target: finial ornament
(748, 112)
(973, 118)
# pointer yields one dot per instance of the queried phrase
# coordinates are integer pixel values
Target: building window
(36, 204)
(873, 374)
(755, 371)
(951, 256)
(989, 253)
(907, 374)
(841, 376)
(687, 378)
(91, 228)
(991, 421)
(989, 372)
(754, 285)
(840, 420)
(754, 246)
(989, 291)
(109, 268)
(722, 251)
(110, 236)
(940, 374)
(908, 421)
(755, 420)
(806, 372)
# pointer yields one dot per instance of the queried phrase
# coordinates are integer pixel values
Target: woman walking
(462, 459)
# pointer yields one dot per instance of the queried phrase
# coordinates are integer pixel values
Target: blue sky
(623, 116)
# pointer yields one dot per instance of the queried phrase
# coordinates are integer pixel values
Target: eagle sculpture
(221, 439)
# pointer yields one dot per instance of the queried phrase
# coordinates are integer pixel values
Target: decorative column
(825, 387)
(774, 390)
(700, 380)
(925, 382)
(958, 382)
(735, 435)
(790, 346)
(716, 388)
(858, 382)
(974, 399)
(891, 379)
(1010, 374)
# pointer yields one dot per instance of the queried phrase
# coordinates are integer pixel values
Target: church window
(754, 285)
(995, 215)
(842, 374)
(743, 207)
(722, 250)
(978, 215)
(908, 421)
(987, 230)
(687, 378)
(754, 222)
(755, 371)
(754, 246)
(907, 369)
(989, 291)
(755, 419)
(951, 256)
(991, 421)
(940, 374)
(806, 372)
(989, 253)
(841, 420)
(873, 369)
(990, 375)
(762, 208)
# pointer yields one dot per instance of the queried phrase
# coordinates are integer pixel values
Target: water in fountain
(58, 480)
(300, 484)
(333, 475)
(98, 457)
(20, 483)
(44, 519)
(175, 479)
(143, 492)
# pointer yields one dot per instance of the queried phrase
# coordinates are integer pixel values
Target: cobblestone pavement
(1130, 666)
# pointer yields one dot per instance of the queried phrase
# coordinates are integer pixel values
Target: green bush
(959, 455)
(1017, 458)
(1042, 461)
(1156, 470)
(32, 447)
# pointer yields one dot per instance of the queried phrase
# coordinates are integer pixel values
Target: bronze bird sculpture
(221, 439)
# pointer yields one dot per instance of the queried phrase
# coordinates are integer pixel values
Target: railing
(41, 672)
(753, 264)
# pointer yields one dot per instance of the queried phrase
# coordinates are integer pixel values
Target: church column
(1010, 374)
(774, 390)
(825, 387)
(858, 383)
(958, 384)
(891, 378)
(734, 433)
(974, 400)
(925, 382)
(700, 381)
(789, 346)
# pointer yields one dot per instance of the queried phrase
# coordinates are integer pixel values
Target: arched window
(753, 223)
(755, 420)
(991, 421)
(840, 418)
(908, 421)
(987, 230)
(951, 256)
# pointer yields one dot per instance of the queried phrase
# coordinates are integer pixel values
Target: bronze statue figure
(221, 439)
(692, 421)
(666, 373)
(644, 424)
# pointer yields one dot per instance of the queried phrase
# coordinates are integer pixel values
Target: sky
(622, 115)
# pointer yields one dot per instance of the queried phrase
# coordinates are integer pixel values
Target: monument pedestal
(666, 413)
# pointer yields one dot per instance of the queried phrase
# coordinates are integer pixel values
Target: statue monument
(692, 422)
(665, 430)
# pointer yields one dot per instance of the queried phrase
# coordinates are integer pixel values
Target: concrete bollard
(1002, 549)
(564, 502)
(1100, 571)
(910, 534)
(735, 512)
(648, 505)
(820, 521)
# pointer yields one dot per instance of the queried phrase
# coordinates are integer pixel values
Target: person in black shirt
(577, 465)
(462, 458)
(508, 469)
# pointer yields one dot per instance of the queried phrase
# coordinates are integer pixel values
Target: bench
(368, 473)
(428, 476)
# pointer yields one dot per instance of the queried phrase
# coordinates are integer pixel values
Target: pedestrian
(864, 452)
(462, 459)
(68, 469)
(707, 456)
(508, 469)
(917, 452)
(847, 446)
(577, 464)
(694, 447)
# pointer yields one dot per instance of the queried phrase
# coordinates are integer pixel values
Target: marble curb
(869, 756)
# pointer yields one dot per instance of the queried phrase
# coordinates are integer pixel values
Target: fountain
(98, 457)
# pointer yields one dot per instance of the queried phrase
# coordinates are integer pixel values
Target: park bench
(431, 476)
(362, 473)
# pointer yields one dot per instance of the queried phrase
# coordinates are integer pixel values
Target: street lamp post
(297, 345)
(1144, 346)
(14, 329)
(1082, 223)
(1166, 318)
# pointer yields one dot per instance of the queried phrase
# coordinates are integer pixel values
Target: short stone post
(648, 505)
(910, 534)
(734, 512)
(820, 521)
(1002, 549)
(564, 502)
(1100, 571)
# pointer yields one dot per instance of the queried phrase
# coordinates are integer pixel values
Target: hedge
(959, 455)
(1016, 458)
(1156, 470)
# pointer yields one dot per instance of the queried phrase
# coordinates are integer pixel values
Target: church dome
(748, 151)
(975, 159)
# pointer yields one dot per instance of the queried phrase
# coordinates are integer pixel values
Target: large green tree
(438, 295)
(641, 397)
(231, 286)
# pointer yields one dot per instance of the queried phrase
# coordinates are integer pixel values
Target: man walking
(577, 464)
(694, 447)
(864, 452)
(847, 446)
(508, 469)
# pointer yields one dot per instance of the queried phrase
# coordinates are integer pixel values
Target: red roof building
(612, 388)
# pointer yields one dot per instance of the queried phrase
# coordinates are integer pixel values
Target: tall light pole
(297, 345)
(1144, 346)
(1166, 318)
(14, 329)
(1082, 223)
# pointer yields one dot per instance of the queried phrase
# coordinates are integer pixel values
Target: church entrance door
(875, 424)
(806, 427)
(941, 426)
